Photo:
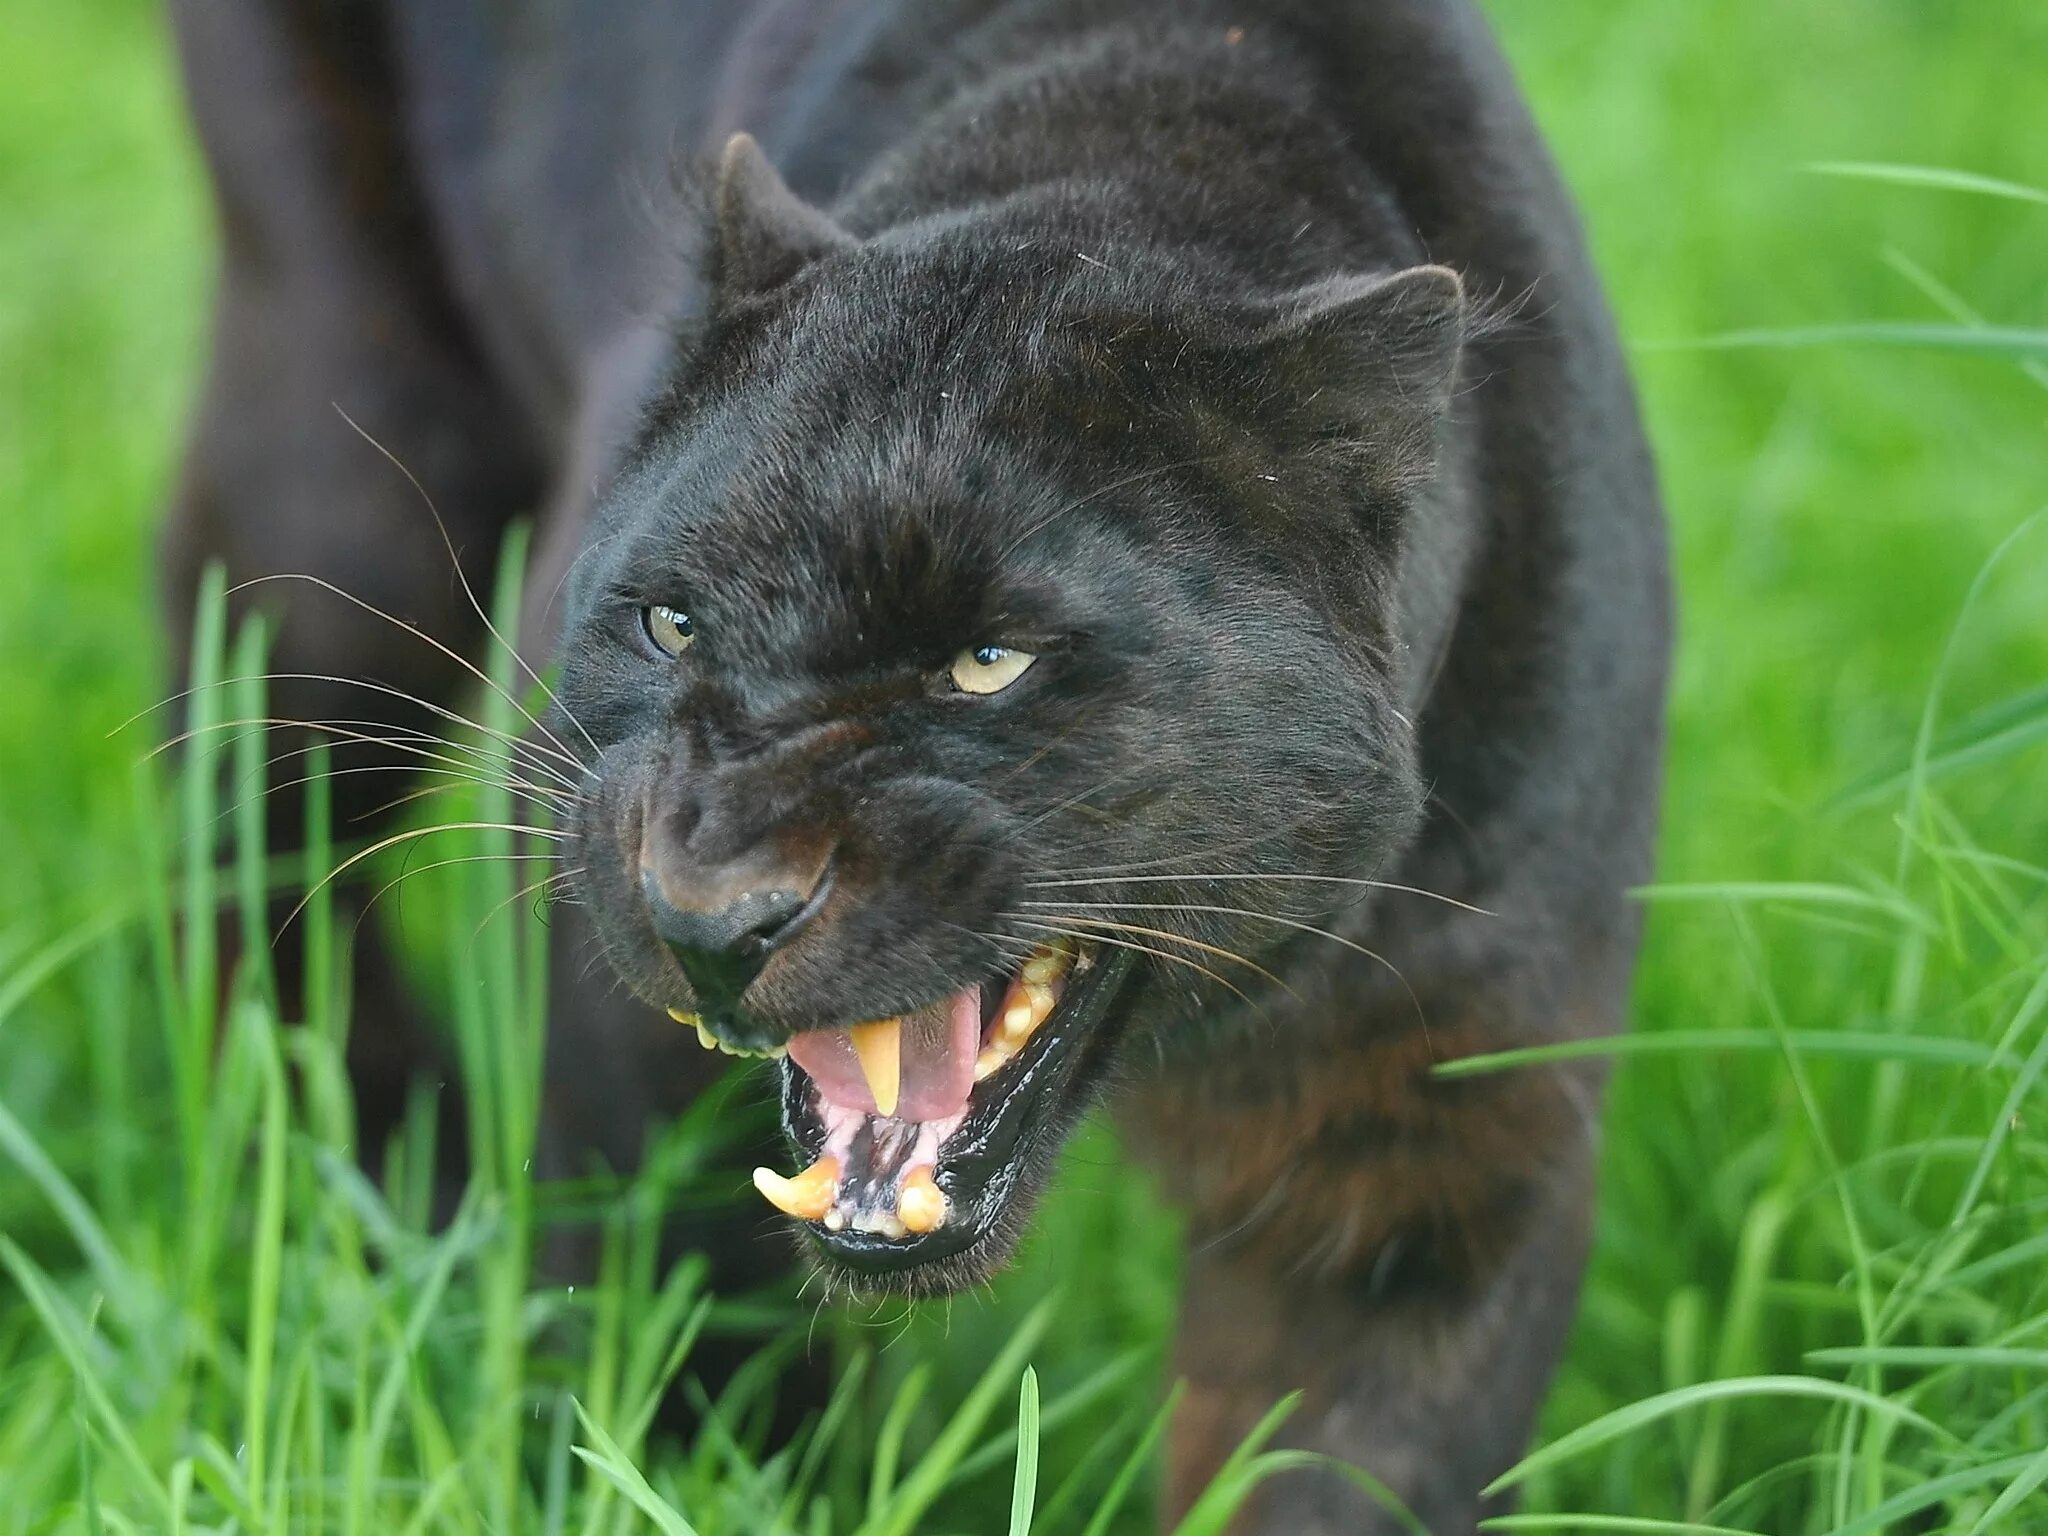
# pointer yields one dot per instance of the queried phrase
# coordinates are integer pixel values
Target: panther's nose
(723, 942)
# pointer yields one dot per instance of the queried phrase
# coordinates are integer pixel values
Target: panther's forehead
(877, 548)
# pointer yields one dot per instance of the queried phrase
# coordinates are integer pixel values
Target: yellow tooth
(808, 1196)
(920, 1203)
(1044, 968)
(986, 1064)
(1018, 1020)
(1041, 999)
(687, 1020)
(879, 1047)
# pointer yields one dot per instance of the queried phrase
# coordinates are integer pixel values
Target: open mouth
(916, 1129)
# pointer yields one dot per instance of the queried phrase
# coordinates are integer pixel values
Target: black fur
(1243, 363)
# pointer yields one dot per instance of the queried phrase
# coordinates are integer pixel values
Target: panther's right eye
(989, 668)
(668, 630)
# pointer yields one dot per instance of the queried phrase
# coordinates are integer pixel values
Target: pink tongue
(939, 1046)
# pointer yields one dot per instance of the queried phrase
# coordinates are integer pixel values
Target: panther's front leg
(1403, 1250)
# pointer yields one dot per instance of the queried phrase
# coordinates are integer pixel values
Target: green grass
(1819, 1294)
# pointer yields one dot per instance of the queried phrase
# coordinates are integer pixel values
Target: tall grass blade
(917, 1491)
(266, 1248)
(604, 1457)
(1927, 1494)
(35, 1287)
(1628, 1525)
(1227, 1488)
(1024, 1487)
(1119, 1490)
(120, 1288)
(1934, 177)
(1627, 1420)
(1990, 341)
(192, 1040)
(1858, 1045)
(248, 748)
(2014, 1494)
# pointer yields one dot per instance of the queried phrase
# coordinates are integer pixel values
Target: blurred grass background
(1831, 506)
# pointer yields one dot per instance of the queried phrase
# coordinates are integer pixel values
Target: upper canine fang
(879, 1049)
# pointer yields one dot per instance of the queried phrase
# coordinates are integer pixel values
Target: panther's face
(950, 670)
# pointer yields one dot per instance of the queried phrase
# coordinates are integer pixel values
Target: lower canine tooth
(1042, 969)
(808, 1196)
(1018, 1019)
(920, 1204)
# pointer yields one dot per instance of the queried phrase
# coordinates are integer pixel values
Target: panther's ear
(1369, 361)
(765, 233)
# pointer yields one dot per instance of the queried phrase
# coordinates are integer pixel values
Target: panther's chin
(980, 1087)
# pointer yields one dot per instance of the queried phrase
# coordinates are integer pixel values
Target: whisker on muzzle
(413, 870)
(408, 743)
(413, 834)
(555, 748)
(1198, 877)
(469, 592)
(530, 756)
(1093, 935)
(1256, 916)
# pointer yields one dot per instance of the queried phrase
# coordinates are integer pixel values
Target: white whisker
(539, 754)
(410, 835)
(559, 748)
(1197, 878)
(467, 591)
(1091, 937)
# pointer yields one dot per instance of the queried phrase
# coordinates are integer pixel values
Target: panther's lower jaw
(898, 1203)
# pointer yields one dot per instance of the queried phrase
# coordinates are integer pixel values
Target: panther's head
(980, 605)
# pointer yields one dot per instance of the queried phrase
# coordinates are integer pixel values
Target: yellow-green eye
(669, 628)
(989, 668)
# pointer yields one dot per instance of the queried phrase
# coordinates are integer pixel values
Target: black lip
(981, 1169)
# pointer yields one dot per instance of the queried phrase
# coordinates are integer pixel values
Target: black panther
(1093, 550)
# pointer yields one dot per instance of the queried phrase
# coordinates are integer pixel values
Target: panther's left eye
(669, 630)
(989, 668)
